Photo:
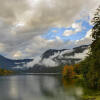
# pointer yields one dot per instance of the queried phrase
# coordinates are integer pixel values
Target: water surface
(37, 87)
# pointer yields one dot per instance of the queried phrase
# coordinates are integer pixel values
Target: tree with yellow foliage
(5, 72)
(68, 72)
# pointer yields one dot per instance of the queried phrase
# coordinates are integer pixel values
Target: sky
(30, 27)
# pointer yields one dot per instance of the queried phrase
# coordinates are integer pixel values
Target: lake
(38, 87)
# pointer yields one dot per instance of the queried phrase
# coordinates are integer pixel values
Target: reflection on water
(38, 87)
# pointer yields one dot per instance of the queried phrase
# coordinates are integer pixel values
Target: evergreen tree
(90, 67)
(94, 72)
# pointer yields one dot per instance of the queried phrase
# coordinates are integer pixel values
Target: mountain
(52, 60)
(6, 63)
(66, 56)
(49, 61)
(51, 52)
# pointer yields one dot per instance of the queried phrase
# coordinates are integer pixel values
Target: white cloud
(2, 47)
(23, 21)
(49, 62)
(86, 40)
(36, 46)
(83, 41)
(35, 61)
(81, 55)
(89, 34)
(68, 33)
(17, 55)
(77, 28)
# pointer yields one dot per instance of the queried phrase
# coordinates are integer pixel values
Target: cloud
(85, 40)
(40, 15)
(2, 47)
(33, 47)
(17, 54)
(81, 55)
(76, 27)
(22, 22)
(53, 60)
(49, 62)
(9, 10)
(89, 34)
(68, 33)
(35, 61)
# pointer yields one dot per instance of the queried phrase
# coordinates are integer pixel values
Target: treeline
(71, 71)
(90, 67)
(5, 72)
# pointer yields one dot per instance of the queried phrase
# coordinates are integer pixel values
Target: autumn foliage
(5, 72)
(68, 72)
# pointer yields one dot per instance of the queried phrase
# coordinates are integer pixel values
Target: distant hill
(6, 63)
(49, 61)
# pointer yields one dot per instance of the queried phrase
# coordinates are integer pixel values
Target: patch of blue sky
(58, 32)
(79, 35)
(53, 33)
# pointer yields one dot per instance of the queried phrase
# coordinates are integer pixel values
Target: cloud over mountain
(22, 22)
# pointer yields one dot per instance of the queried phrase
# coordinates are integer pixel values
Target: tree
(68, 72)
(94, 72)
(5, 72)
(77, 68)
(90, 67)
